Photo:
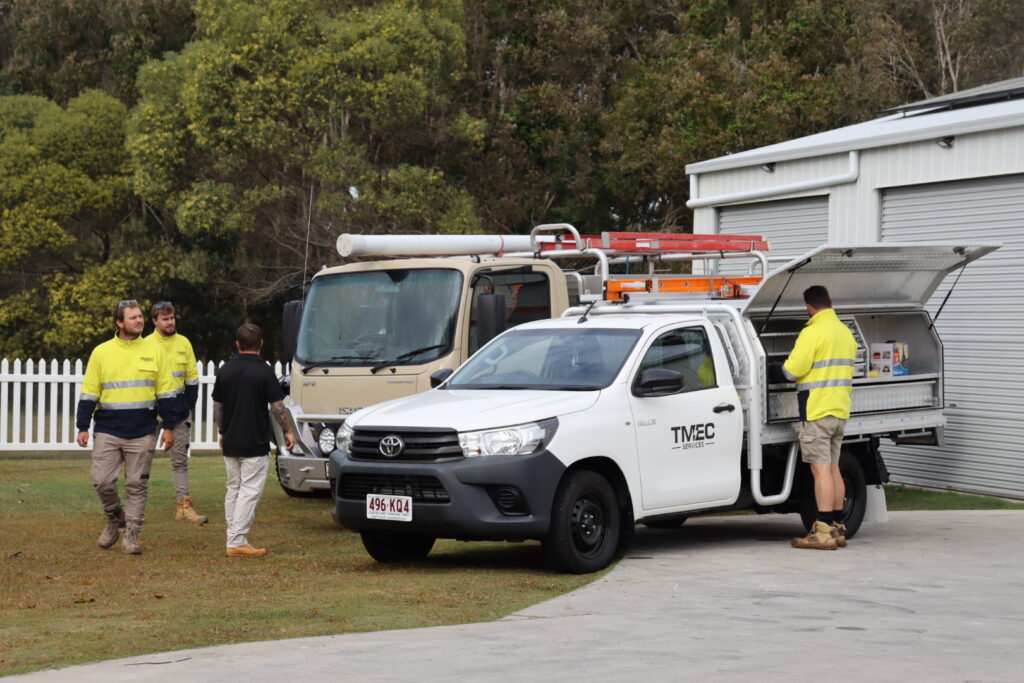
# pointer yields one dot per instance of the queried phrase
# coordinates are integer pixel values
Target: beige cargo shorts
(821, 439)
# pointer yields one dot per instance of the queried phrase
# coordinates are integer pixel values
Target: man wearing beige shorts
(821, 364)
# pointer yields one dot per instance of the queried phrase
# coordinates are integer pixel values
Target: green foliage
(57, 48)
(65, 254)
(291, 113)
(254, 123)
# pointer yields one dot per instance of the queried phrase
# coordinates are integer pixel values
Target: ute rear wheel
(585, 524)
(396, 546)
(854, 503)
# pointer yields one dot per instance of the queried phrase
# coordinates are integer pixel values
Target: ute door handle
(723, 408)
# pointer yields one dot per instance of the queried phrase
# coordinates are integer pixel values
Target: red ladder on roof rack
(654, 242)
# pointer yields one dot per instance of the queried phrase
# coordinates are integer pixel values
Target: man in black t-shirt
(245, 385)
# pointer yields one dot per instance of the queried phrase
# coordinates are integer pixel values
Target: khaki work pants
(246, 478)
(109, 455)
(179, 456)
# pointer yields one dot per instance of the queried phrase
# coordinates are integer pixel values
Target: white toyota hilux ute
(652, 409)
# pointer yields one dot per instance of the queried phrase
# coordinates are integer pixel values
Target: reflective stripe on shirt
(805, 386)
(833, 363)
(128, 405)
(128, 384)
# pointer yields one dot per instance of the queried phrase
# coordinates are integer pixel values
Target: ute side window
(687, 352)
(527, 298)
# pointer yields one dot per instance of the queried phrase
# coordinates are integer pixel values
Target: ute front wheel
(585, 524)
(396, 546)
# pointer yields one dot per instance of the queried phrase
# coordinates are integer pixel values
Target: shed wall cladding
(982, 329)
(792, 226)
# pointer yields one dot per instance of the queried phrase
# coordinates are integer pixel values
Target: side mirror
(291, 316)
(438, 377)
(286, 385)
(491, 320)
(658, 382)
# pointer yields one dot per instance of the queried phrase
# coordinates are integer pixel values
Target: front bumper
(301, 473)
(471, 511)
(304, 469)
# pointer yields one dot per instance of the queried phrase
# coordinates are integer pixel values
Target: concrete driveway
(927, 596)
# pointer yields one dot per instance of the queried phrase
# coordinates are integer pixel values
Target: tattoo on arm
(279, 412)
(218, 414)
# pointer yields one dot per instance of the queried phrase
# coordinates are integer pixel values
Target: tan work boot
(839, 533)
(130, 542)
(818, 538)
(185, 513)
(115, 522)
(246, 551)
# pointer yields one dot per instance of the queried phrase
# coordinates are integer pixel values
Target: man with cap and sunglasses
(182, 359)
(127, 381)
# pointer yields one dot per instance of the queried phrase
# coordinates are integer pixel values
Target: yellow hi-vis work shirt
(182, 360)
(822, 364)
(124, 383)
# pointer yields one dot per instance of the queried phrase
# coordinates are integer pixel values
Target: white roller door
(792, 226)
(982, 329)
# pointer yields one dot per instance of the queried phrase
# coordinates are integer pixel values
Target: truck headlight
(343, 441)
(516, 440)
(326, 441)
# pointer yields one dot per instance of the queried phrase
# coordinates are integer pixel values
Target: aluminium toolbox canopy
(900, 276)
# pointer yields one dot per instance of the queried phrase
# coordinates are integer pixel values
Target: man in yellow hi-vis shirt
(821, 364)
(126, 382)
(182, 358)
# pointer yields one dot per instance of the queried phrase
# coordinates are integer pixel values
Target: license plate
(394, 508)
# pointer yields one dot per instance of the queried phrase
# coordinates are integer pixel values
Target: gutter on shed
(850, 176)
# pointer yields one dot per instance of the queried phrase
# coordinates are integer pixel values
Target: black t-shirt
(244, 386)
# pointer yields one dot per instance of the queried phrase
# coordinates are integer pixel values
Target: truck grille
(420, 444)
(422, 488)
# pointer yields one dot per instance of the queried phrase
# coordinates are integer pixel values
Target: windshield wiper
(331, 361)
(405, 356)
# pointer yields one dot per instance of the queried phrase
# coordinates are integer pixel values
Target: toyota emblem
(391, 446)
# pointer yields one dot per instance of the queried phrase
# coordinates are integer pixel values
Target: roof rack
(563, 240)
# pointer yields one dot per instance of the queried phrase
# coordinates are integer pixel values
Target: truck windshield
(556, 359)
(401, 316)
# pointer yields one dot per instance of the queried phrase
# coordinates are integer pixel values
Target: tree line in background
(210, 152)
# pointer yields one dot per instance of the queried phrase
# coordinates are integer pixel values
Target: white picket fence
(39, 399)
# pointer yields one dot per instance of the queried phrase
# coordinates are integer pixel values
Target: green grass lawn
(899, 497)
(65, 601)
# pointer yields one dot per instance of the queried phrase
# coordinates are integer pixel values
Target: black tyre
(673, 523)
(856, 496)
(294, 493)
(396, 546)
(585, 524)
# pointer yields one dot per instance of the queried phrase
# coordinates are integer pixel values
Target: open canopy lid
(888, 275)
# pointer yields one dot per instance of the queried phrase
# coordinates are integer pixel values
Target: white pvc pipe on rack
(430, 245)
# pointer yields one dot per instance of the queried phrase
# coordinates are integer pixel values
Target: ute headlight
(326, 441)
(343, 441)
(516, 440)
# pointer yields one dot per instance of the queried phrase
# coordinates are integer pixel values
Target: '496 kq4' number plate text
(394, 508)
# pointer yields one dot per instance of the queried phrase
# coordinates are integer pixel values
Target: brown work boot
(818, 538)
(115, 522)
(246, 551)
(185, 513)
(839, 533)
(130, 542)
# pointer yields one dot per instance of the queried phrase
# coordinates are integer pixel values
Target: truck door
(688, 443)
